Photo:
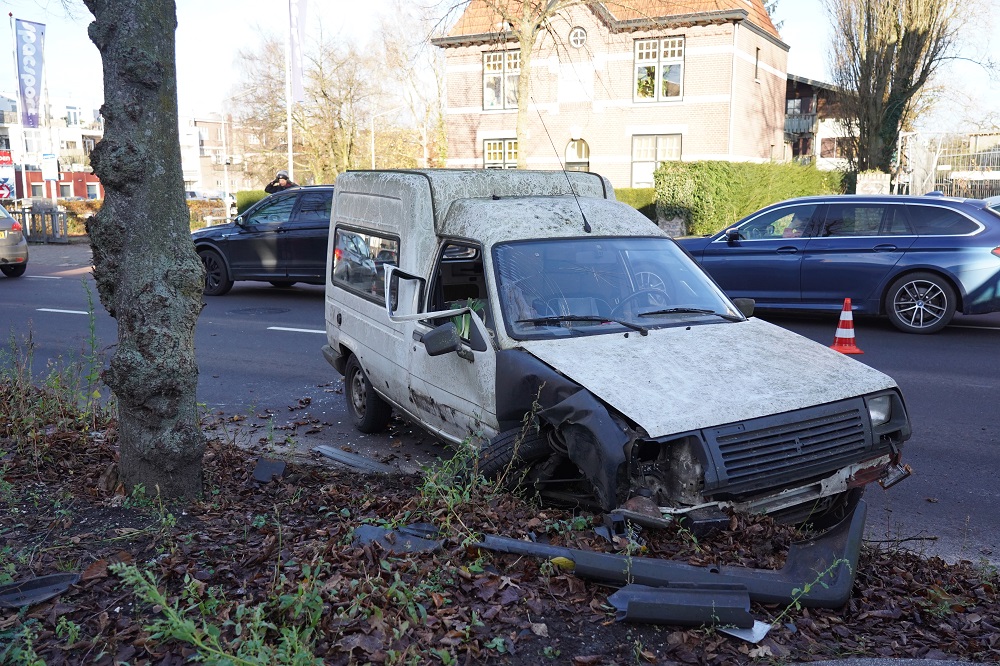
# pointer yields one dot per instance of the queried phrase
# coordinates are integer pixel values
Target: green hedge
(247, 198)
(710, 196)
(643, 199)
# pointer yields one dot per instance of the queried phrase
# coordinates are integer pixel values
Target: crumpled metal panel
(686, 378)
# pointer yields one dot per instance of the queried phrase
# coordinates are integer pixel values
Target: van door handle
(787, 250)
(886, 247)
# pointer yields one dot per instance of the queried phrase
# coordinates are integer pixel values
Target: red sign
(5, 158)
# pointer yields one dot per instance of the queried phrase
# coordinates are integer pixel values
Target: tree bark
(148, 275)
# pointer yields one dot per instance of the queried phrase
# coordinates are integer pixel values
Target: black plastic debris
(266, 469)
(684, 604)
(416, 538)
(35, 590)
(353, 460)
(830, 559)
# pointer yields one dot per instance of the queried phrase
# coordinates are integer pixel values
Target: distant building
(70, 131)
(814, 127)
(618, 90)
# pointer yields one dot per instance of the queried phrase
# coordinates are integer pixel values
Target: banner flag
(29, 49)
(296, 37)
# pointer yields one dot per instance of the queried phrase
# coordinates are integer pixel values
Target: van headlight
(879, 409)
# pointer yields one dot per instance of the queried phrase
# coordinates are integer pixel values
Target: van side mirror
(745, 306)
(733, 236)
(442, 340)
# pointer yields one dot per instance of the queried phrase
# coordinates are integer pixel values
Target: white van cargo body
(565, 334)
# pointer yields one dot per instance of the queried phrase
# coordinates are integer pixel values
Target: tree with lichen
(148, 275)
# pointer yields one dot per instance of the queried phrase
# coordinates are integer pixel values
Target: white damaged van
(476, 301)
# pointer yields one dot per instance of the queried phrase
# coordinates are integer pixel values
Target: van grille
(768, 453)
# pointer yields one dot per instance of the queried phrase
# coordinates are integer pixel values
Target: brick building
(619, 87)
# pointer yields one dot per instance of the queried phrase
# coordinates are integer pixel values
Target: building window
(72, 116)
(65, 190)
(648, 150)
(88, 146)
(800, 106)
(37, 190)
(577, 37)
(501, 71)
(836, 148)
(659, 69)
(92, 191)
(577, 155)
(500, 153)
(4, 142)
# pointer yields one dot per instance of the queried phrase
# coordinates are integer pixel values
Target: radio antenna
(586, 225)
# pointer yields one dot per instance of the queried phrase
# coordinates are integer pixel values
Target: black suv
(281, 239)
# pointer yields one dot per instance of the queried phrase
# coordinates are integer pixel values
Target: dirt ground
(264, 568)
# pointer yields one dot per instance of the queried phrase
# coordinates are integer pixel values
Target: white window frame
(501, 71)
(499, 153)
(657, 55)
(648, 151)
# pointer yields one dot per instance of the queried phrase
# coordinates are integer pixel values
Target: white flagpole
(288, 92)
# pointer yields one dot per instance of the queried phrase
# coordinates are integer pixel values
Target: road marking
(45, 277)
(293, 330)
(83, 312)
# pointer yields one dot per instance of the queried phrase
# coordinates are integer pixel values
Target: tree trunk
(148, 275)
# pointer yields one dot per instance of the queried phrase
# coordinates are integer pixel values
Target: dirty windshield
(584, 286)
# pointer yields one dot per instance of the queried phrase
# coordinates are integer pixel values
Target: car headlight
(879, 409)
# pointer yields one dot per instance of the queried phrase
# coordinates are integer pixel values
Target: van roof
(504, 219)
(417, 189)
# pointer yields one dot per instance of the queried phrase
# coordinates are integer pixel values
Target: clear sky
(210, 32)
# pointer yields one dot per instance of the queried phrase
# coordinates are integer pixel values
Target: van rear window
(359, 260)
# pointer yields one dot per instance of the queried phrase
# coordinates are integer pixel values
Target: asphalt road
(261, 369)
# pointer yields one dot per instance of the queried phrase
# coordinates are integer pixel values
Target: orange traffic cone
(843, 341)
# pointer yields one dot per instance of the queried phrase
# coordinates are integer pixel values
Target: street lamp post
(372, 132)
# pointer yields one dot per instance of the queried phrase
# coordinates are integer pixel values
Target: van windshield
(561, 287)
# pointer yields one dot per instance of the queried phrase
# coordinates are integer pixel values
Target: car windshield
(584, 286)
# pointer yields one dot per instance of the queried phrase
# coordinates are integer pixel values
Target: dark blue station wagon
(915, 259)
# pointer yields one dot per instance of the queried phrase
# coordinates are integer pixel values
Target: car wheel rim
(920, 304)
(213, 272)
(358, 393)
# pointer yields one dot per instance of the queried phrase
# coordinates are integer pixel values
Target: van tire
(920, 302)
(369, 411)
(511, 452)
(13, 270)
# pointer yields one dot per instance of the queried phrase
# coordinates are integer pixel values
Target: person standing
(280, 182)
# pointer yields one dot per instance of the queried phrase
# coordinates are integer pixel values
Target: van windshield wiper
(724, 315)
(555, 319)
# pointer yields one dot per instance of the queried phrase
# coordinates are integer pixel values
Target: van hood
(690, 377)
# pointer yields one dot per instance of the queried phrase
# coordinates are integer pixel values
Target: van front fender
(594, 441)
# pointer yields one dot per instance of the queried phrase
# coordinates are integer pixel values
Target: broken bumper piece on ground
(818, 573)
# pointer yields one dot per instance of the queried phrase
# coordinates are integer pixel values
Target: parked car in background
(281, 239)
(13, 246)
(916, 259)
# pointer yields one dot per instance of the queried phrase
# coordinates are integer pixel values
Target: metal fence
(43, 226)
(961, 165)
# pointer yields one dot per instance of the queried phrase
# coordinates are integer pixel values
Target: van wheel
(217, 281)
(370, 412)
(508, 457)
(12, 270)
(920, 303)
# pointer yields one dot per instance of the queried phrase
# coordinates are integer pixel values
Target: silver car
(13, 246)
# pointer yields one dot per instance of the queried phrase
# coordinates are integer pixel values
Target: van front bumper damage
(818, 573)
